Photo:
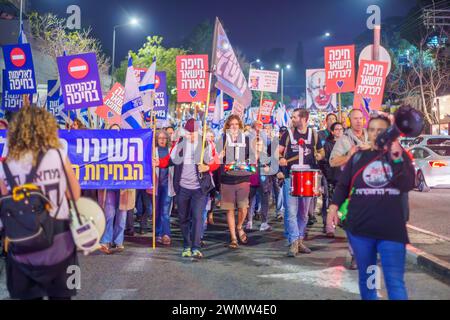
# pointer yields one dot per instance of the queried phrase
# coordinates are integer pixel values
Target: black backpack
(25, 214)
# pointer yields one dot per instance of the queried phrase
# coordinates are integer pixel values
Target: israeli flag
(147, 86)
(22, 36)
(131, 110)
(282, 117)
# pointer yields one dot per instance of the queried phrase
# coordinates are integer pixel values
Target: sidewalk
(430, 252)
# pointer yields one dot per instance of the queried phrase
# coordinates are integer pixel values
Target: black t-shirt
(376, 208)
(243, 156)
(291, 149)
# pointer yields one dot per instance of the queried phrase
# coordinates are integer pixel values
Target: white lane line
(335, 277)
(428, 232)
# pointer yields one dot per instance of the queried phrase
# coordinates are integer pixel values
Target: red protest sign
(265, 110)
(111, 110)
(192, 78)
(340, 69)
(370, 85)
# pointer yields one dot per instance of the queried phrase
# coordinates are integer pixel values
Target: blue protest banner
(20, 69)
(161, 100)
(80, 81)
(106, 159)
(10, 102)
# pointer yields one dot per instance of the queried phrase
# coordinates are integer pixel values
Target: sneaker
(249, 225)
(302, 248)
(265, 227)
(187, 253)
(196, 254)
(293, 249)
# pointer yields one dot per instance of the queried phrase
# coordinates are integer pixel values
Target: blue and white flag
(22, 36)
(131, 110)
(147, 87)
(282, 118)
(218, 117)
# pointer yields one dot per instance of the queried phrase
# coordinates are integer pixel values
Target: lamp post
(282, 67)
(132, 22)
(256, 61)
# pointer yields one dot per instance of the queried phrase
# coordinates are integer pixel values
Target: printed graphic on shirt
(377, 177)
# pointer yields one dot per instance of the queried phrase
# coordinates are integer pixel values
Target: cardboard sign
(10, 102)
(370, 85)
(263, 80)
(161, 100)
(340, 69)
(266, 109)
(317, 98)
(192, 78)
(20, 77)
(111, 110)
(80, 81)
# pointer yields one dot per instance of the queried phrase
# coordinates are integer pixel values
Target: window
(441, 150)
(437, 141)
(418, 140)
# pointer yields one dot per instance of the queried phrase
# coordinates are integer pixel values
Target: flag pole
(340, 107)
(260, 104)
(153, 117)
(208, 97)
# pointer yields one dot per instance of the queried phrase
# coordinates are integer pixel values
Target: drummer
(296, 208)
(234, 189)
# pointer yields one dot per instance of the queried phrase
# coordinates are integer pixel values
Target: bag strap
(30, 177)
(72, 202)
(34, 170)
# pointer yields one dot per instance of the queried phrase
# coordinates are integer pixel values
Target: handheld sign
(192, 78)
(20, 69)
(80, 81)
(340, 69)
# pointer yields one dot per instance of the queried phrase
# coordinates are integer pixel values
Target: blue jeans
(295, 213)
(277, 195)
(115, 219)
(163, 208)
(191, 204)
(392, 254)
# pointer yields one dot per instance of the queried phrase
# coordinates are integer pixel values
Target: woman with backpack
(37, 264)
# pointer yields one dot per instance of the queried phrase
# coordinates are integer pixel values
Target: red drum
(305, 182)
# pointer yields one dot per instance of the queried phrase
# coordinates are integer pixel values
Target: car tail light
(437, 164)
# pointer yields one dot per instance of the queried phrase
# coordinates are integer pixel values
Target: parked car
(432, 164)
(427, 139)
(407, 142)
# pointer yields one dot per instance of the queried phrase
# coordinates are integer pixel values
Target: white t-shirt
(49, 177)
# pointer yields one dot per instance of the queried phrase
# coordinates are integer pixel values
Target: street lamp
(327, 34)
(256, 61)
(132, 22)
(287, 66)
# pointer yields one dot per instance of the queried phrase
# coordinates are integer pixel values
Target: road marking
(428, 232)
(335, 277)
(118, 294)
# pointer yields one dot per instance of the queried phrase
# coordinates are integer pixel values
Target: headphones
(347, 120)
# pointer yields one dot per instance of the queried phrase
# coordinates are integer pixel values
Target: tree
(421, 71)
(53, 39)
(200, 39)
(165, 61)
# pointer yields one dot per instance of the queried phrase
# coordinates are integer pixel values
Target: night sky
(252, 25)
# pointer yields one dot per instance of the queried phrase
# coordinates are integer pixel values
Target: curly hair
(226, 126)
(34, 130)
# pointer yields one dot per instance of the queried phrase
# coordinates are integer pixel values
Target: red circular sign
(18, 57)
(157, 81)
(78, 68)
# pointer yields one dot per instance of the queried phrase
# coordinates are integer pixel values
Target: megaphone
(408, 121)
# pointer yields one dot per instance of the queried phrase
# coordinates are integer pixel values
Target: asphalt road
(431, 211)
(257, 271)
